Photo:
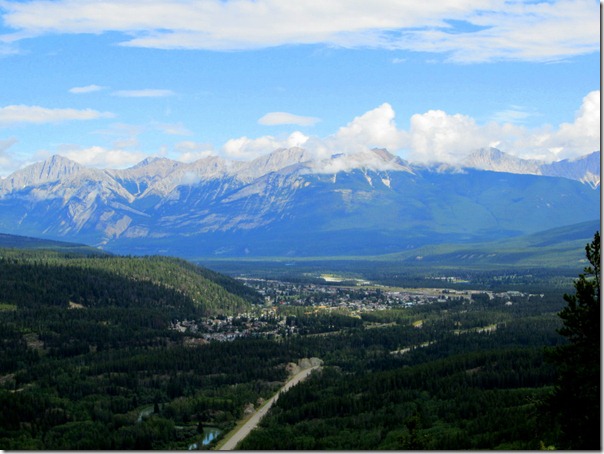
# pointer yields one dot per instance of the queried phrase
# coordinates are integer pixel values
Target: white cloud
(246, 148)
(514, 114)
(284, 118)
(173, 129)
(101, 157)
(189, 151)
(582, 135)
(15, 114)
(436, 136)
(433, 136)
(85, 89)
(145, 93)
(468, 30)
(526, 31)
(5, 159)
(124, 135)
(5, 144)
(373, 129)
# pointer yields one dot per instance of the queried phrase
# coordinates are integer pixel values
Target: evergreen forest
(109, 352)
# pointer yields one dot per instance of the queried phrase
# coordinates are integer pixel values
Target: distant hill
(562, 247)
(27, 242)
(53, 278)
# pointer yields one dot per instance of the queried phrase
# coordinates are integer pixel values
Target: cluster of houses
(228, 328)
(268, 321)
(363, 298)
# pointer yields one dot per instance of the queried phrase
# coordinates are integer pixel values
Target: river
(209, 434)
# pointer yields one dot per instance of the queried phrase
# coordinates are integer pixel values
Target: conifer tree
(576, 400)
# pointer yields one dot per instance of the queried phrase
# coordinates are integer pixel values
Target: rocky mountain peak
(498, 161)
(272, 162)
(585, 168)
(53, 169)
(377, 159)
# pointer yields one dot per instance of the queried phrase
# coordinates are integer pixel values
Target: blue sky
(108, 83)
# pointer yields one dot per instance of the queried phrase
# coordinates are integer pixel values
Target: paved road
(256, 417)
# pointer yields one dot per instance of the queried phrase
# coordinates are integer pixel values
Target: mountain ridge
(584, 168)
(290, 203)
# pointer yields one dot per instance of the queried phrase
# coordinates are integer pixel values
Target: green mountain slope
(52, 278)
(26, 242)
(89, 348)
(562, 247)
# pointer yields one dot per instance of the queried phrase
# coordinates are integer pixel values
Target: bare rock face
(294, 203)
(304, 363)
(495, 160)
(585, 168)
(307, 363)
(248, 409)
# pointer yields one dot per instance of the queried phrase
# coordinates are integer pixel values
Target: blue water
(209, 434)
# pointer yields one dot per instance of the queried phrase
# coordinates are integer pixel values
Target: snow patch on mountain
(375, 159)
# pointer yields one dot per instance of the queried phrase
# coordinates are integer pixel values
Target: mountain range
(289, 203)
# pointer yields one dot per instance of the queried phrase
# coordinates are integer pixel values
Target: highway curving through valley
(259, 414)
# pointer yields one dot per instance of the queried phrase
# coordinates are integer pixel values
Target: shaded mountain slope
(34, 278)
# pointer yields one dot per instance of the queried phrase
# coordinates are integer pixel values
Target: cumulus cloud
(145, 93)
(581, 135)
(189, 151)
(101, 157)
(374, 129)
(85, 89)
(284, 118)
(432, 136)
(15, 114)
(245, 148)
(467, 30)
(436, 136)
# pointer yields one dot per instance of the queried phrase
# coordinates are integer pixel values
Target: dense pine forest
(95, 356)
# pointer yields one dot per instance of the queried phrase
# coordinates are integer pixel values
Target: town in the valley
(276, 317)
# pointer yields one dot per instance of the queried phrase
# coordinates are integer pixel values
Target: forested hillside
(27, 242)
(32, 277)
(141, 353)
(442, 377)
(88, 342)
